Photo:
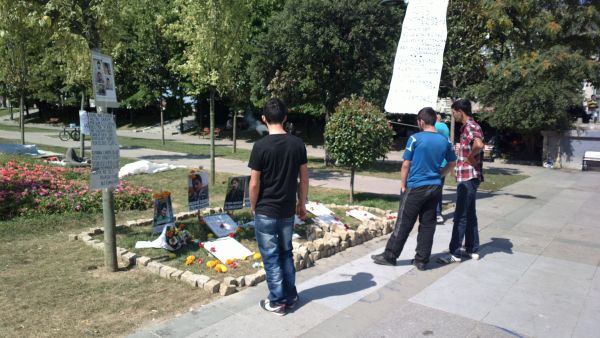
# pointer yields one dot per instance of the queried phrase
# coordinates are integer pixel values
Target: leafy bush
(30, 188)
(356, 135)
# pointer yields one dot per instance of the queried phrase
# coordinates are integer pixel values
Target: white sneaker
(474, 256)
(449, 258)
(440, 219)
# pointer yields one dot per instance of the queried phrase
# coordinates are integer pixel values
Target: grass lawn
(192, 149)
(27, 129)
(52, 287)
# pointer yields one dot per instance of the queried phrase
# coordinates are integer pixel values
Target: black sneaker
(293, 303)
(382, 260)
(418, 265)
(278, 309)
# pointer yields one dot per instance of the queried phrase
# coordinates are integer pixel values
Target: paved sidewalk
(538, 277)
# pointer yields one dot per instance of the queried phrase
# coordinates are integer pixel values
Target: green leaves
(357, 134)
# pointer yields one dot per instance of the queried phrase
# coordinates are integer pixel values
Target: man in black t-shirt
(277, 161)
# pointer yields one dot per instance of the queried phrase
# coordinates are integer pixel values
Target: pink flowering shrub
(35, 189)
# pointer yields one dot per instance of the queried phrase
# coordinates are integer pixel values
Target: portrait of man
(235, 193)
(198, 190)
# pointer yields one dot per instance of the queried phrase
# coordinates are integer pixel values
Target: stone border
(323, 241)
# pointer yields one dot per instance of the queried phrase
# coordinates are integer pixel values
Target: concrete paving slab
(588, 324)
(546, 300)
(486, 281)
(416, 321)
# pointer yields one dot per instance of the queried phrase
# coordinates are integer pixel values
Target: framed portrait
(236, 192)
(198, 197)
(163, 209)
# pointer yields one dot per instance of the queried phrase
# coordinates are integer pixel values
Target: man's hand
(301, 211)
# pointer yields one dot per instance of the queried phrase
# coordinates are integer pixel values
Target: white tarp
(227, 248)
(146, 167)
(419, 58)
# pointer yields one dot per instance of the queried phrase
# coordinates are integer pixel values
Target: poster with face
(247, 193)
(103, 80)
(163, 209)
(236, 191)
(197, 190)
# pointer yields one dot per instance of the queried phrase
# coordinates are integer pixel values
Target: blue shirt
(442, 128)
(427, 151)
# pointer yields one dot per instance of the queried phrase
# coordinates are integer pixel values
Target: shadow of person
(496, 245)
(357, 282)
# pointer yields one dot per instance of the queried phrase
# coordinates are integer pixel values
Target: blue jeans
(274, 238)
(465, 218)
(438, 209)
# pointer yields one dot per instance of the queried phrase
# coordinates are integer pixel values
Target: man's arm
(254, 187)
(448, 168)
(404, 174)
(302, 191)
(476, 149)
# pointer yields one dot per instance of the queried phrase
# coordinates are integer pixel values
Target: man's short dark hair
(275, 111)
(464, 105)
(427, 115)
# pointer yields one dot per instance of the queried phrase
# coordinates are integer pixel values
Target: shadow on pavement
(496, 245)
(357, 282)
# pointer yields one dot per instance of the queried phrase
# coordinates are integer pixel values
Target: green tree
(464, 56)
(213, 32)
(540, 54)
(317, 52)
(23, 30)
(356, 135)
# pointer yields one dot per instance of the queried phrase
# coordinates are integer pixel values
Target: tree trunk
(212, 136)
(352, 171)
(328, 160)
(10, 109)
(162, 121)
(22, 120)
(234, 129)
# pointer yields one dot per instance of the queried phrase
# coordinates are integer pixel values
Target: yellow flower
(243, 258)
(190, 260)
(210, 236)
(212, 263)
(262, 265)
(220, 268)
(256, 256)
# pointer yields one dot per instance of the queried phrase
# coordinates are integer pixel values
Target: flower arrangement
(190, 260)
(30, 188)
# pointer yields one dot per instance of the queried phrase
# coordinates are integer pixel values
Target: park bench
(591, 160)
(206, 132)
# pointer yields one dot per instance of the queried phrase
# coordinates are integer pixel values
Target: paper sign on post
(419, 58)
(105, 151)
(103, 80)
(221, 225)
(83, 122)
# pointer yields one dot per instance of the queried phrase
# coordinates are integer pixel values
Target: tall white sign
(105, 151)
(419, 58)
(103, 80)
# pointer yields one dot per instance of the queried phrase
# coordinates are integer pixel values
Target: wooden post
(110, 239)
(234, 129)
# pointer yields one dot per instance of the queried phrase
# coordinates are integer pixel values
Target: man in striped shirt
(469, 174)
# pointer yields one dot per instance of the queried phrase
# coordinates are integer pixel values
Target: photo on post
(236, 190)
(197, 190)
(163, 209)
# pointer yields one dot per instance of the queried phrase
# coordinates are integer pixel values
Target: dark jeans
(418, 202)
(438, 209)
(465, 218)
(274, 239)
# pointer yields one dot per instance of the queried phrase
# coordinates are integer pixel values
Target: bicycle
(69, 133)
